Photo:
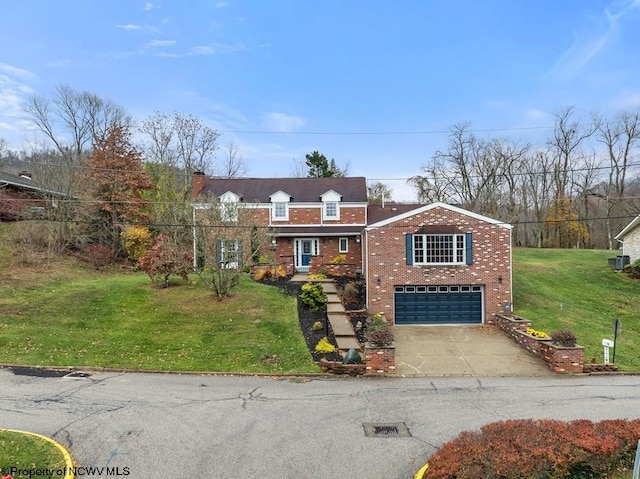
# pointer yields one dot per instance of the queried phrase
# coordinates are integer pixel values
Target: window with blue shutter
(409, 248)
(468, 239)
(439, 249)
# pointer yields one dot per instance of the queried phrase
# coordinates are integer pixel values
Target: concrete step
(335, 308)
(333, 298)
(347, 342)
(340, 324)
(329, 288)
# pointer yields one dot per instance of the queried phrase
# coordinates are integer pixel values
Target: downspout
(195, 251)
(511, 269)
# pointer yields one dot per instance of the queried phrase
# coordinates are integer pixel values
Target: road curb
(69, 474)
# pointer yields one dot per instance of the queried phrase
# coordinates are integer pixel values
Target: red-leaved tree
(163, 260)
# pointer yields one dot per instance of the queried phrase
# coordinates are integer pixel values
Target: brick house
(310, 221)
(423, 264)
(436, 264)
(22, 197)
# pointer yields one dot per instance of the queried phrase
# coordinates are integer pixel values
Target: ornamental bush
(538, 449)
(313, 296)
(324, 346)
(564, 337)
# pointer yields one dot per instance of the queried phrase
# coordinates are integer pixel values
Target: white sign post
(607, 343)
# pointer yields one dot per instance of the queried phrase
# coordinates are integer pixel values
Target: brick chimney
(197, 183)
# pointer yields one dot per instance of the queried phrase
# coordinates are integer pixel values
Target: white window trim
(325, 216)
(458, 252)
(346, 243)
(274, 217)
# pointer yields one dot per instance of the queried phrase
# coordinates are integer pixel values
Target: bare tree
(68, 122)
(176, 146)
(71, 120)
(298, 168)
(233, 165)
(225, 243)
(378, 193)
(620, 138)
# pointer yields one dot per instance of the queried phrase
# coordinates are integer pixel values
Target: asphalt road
(164, 425)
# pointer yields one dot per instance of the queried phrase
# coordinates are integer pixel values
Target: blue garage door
(438, 304)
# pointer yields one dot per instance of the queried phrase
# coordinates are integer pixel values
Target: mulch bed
(307, 318)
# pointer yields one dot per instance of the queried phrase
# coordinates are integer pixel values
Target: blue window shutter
(218, 251)
(468, 244)
(409, 248)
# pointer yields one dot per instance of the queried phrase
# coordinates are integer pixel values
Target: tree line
(576, 190)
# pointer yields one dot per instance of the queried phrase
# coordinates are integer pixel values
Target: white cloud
(14, 90)
(222, 4)
(132, 27)
(159, 43)
(148, 6)
(282, 122)
(534, 114)
(593, 40)
(625, 101)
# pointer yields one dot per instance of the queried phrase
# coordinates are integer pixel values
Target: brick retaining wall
(560, 359)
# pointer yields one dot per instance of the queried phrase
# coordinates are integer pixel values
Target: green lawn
(25, 451)
(577, 289)
(71, 316)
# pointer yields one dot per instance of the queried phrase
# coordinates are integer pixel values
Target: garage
(446, 304)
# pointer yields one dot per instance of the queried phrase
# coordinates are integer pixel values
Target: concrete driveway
(440, 351)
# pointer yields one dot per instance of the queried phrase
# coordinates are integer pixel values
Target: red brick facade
(387, 267)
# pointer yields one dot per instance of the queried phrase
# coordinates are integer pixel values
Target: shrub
(536, 334)
(313, 296)
(564, 337)
(261, 274)
(163, 260)
(340, 259)
(269, 272)
(350, 293)
(316, 276)
(137, 240)
(100, 256)
(324, 346)
(317, 326)
(378, 331)
(538, 449)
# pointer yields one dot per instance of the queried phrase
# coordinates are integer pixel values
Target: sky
(374, 84)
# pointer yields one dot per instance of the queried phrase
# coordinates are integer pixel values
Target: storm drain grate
(77, 374)
(386, 429)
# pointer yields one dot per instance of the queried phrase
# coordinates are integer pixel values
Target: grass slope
(577, 289)
(78, 317)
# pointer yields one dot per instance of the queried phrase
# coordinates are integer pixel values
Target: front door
(305, 249)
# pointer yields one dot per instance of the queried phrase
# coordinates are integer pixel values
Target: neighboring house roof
(631, 226)
(301, 190)
(421, 209)
(24, 182)
(377, 213)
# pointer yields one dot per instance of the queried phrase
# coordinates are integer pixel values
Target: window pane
(331, 209)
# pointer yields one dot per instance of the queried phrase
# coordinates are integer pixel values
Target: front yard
(69, 315)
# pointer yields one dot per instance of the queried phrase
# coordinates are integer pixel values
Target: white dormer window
(331, 205)
(280, 206)
(331, 210)
(229, 203)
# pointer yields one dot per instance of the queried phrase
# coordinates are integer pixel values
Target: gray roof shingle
(305, 190)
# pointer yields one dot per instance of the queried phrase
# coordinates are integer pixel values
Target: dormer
(280, 206)
(229, 203)
(331, 205)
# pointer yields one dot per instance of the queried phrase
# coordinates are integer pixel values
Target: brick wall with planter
(380, 359)
(560, 359)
